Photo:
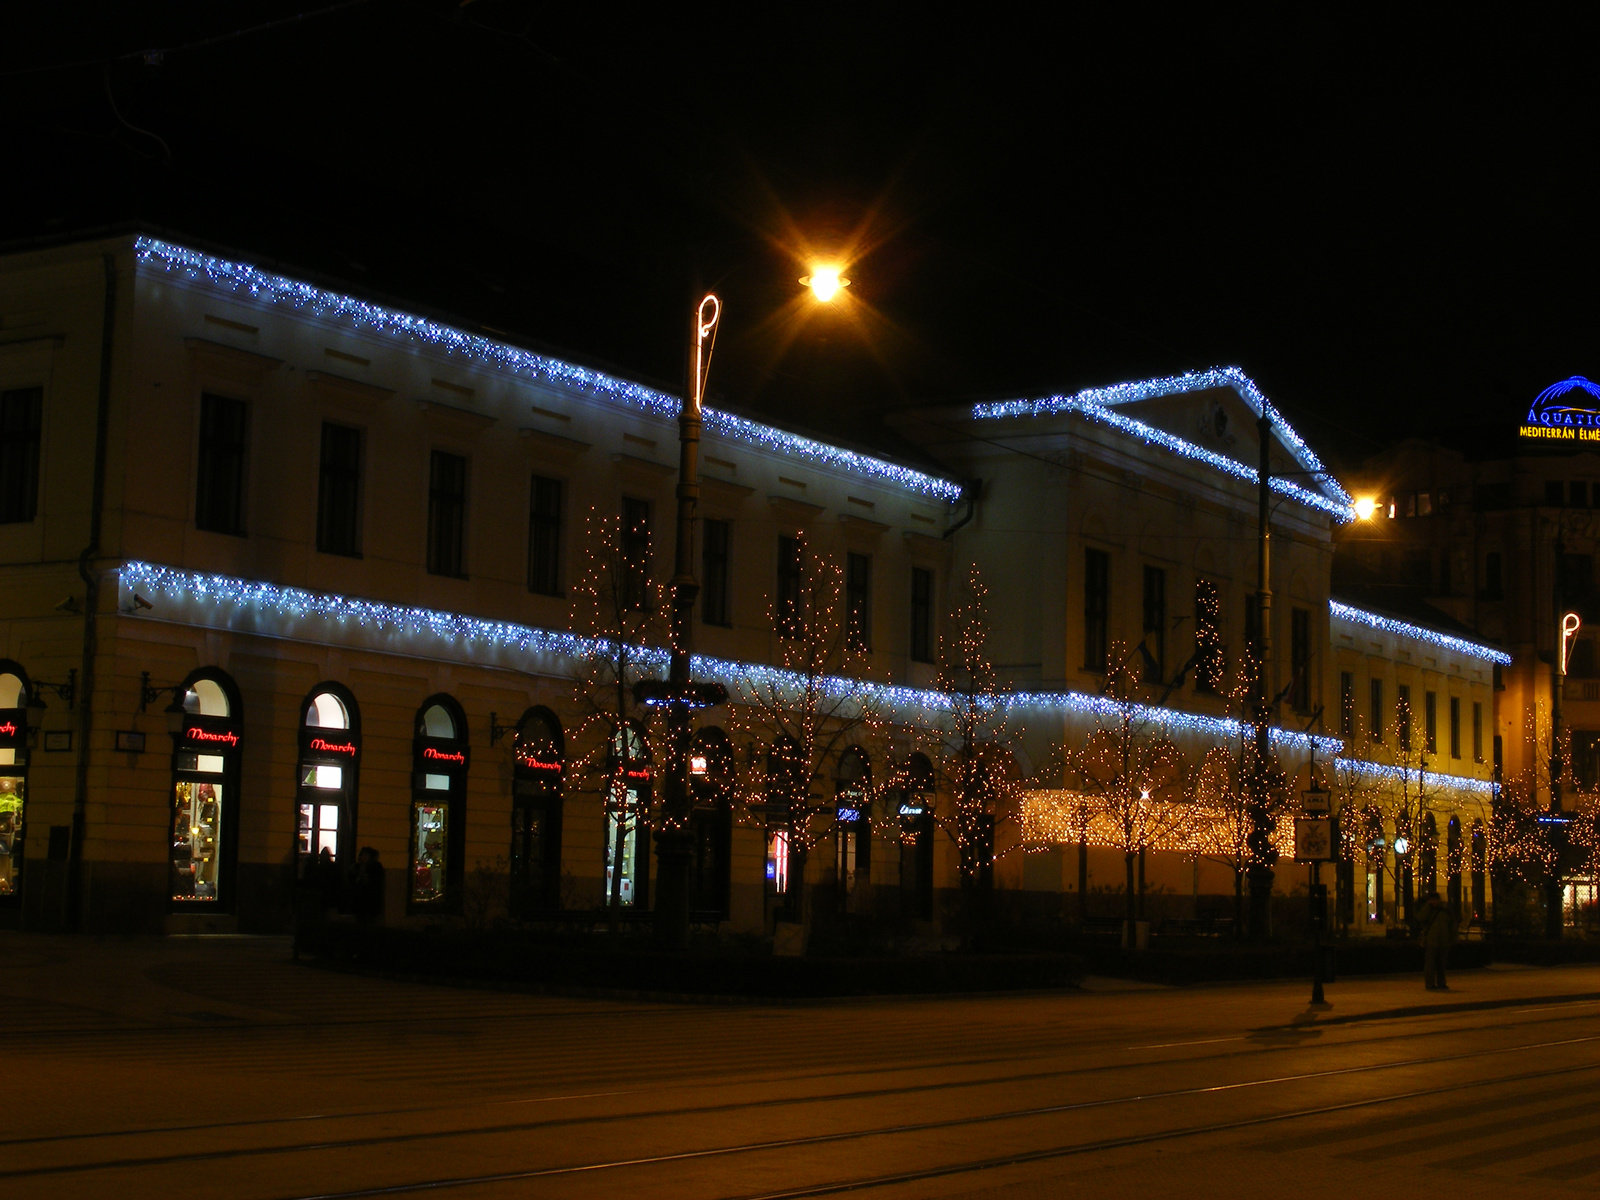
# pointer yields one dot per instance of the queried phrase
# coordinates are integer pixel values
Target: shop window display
(329, 748)
(204, 764)
(13, 781)
(438, 805)
(627, 813)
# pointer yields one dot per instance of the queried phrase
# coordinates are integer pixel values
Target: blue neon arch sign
(1565, 411)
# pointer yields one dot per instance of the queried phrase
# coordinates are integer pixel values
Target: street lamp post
(679, 694)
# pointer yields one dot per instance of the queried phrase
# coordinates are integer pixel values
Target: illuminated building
(329, 589)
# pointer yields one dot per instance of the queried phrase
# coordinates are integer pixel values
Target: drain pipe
(971, 489)
(72, 912)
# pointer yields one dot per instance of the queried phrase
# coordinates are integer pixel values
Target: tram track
(323, 1146)
(1560, 1004)
(968, 1166)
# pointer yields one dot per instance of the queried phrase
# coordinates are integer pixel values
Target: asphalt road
(219, 1068)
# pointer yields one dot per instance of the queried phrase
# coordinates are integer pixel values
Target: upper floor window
(1096, 609)
(1477, 731)
(1347, 704)
(447, 515)
(1300, 659)
(858, 600)
(791, 621)
(219, 489)
(339, 491)
(1493, 582)
(20, 414)
(715, 538)
(1375, 712)
(1455, 726)
(1155, 625)
(544, 536)
(1402, 715)
(635, 552)
(921, 614)
(1209, 665)
(1430, 721)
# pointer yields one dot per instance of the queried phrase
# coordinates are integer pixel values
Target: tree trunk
(1238, 901)
(1083, 881)
(1128, 864)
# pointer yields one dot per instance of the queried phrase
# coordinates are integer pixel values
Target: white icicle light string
(262, 286)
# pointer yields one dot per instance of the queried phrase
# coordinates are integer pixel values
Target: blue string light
(264, 288)
(1097, 403)
(1371, 620)
(448, 634)
(1430, 779)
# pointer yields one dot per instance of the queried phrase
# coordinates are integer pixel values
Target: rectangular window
(858, 600)
(1430, 720)
(790, 618)
(1347, 704)
(921, 614)
(1375, 712)
(1155, 625)
(714, 608)
(1300, 658)
(339, 491)
(447, 514)
(1209, 665)
(1402, 715)
(1554, 493)
(219, 488)
(20, 416)
(1455, 727)
(1493, 583)
(635, 553)
(1096, 609)
(544, 536)
(1477, 732)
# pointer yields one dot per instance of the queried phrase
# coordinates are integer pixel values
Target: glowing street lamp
(1366, 508)
(825, 283)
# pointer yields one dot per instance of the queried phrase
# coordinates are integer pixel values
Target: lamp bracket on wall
(67, 691)
(497, 730)
(148, 693)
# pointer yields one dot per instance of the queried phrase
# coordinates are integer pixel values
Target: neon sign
(455, 756)
(1570, 625)
(537, 764)
(1558, 412)
(333, 747)
(849, 814)
(9, 729)
(205, 735)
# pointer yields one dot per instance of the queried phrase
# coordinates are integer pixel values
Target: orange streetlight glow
(825, 283)
(1365, 507)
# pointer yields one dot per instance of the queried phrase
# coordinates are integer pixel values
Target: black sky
(1390, 223)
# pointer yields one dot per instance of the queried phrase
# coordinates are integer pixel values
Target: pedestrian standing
(1437, 929)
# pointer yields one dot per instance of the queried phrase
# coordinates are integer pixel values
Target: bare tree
(1133, 774)
(619, 609)
(804, 715)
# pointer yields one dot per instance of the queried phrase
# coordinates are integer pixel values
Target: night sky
(1389, 224)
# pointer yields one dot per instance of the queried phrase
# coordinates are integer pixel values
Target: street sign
(1313, 839)
(1315, 801)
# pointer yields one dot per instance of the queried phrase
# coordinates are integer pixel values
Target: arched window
(916, 839)
(1453, 864)
(1428, 853)
(1405, 853)
(711, 822)
(440, 753)
(14, 697)
(785, 790)
(853, 825)
(1480, 856)
(1377, 848)
(628, 819)
(538, 760)
(330, 751)
(205, 794)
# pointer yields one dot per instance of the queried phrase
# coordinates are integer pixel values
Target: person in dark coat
(368, 887)
(1437, 929)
